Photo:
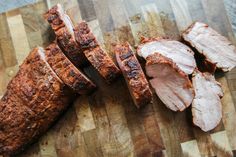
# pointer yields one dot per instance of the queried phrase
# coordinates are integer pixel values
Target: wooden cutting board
(107, 123)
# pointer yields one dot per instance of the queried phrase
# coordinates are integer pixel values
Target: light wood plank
(190, 148)
(19, 37)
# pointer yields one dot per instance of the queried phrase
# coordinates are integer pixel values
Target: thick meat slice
(34, 99)
(66, 71)
(170, 83)
(206, 106)
(215, 47)
(181, 54)
(133, 73)
(94, 53)
(63, 28)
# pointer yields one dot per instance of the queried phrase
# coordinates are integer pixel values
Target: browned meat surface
(66, 71)
(63, 28)
(181, 54)
(34, 99)
(171, 84)
(216, 48)
(133, 74)
(206, 106)
(94, 53)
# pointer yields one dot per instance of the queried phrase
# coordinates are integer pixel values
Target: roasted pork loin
(171, 84)
(133, 74)
(181, 54)
(34, 99)
(66, 71)
(99, 59)
(206, 106)
(214, 47)
(63, 28)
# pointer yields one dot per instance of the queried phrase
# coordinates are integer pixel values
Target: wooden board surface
(107, 123)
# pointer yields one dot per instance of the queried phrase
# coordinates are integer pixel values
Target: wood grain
(107, 123)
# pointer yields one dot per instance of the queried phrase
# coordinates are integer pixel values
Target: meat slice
(66, 71)
(206, 106)
(133, 73)
(94, 53)
(181, 54)
(171, 84)
(216, 48)
(63, 28)
(34, 99)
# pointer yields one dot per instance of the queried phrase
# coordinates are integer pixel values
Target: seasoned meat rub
(63, 28)
(94, 53)
(206, 106)
(181, 54)
(34, 99)
(216, 48)
(133, 74)
(66, 71)
(171, 84)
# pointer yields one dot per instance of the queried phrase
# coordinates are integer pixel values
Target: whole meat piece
(34, 99)
(179, 53)
(214, 47)
(171, 84)
(63, 28)
(206, 106)
(66, 71)
(99, 59)
(133, 74)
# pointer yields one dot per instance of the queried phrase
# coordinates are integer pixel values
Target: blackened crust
(94, 53)
(133, 73)
(67, 72)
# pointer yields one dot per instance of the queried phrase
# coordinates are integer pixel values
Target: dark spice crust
(133, 73)
(94, 53)
(34, 99)
(67, 72)
(65, 37)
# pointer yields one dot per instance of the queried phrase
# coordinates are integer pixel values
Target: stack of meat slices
(79, 44)
(170, 64)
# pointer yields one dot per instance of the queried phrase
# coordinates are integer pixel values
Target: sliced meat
(34, 99)
(63, 28)
(94, 53)
(206, 106)
(181, 54)
(66, 71)
(171, 84)
(216, 48)
(134, 76)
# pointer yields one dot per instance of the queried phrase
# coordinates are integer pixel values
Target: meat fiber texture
(214, 47)
(181, 54)
(34, 99)
(171, 84)
(206, 106)
(67, 72)
(63, 28)
(99, 59)
(133, 74)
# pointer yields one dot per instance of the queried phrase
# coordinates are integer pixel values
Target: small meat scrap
(66, 71)
(171, 84)
(99, 59)
(216, 48)
(206, 106)
(179, 53)
(133, 74)
(63, 28)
